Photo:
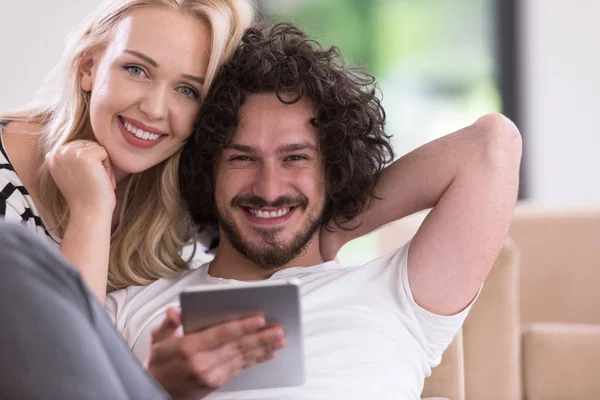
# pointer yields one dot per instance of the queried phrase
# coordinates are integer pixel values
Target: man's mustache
(259, 202)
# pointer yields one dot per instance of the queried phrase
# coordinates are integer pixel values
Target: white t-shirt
(364, 335)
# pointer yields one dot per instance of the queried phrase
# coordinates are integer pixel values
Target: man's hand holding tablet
(233, 339)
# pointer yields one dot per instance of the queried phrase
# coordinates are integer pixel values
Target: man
(288, 163)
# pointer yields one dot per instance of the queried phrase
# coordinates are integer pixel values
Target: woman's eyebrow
(143, 57)
(198, 79)
(150, 61)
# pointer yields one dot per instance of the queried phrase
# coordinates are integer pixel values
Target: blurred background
(440, 64)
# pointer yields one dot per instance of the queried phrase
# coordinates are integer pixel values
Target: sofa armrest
(447, 380)
(561, 361)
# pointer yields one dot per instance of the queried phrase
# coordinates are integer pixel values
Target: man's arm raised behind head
(470, 178)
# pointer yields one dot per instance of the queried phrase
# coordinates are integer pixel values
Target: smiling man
(288, 162)
(269, 190)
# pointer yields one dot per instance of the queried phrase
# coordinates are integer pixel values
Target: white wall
(561, 98)
(32, 35)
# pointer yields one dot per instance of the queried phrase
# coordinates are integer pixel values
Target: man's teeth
(140, 133)
(269, 214)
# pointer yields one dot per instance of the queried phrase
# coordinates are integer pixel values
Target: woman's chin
(127, 163)
(123, 168)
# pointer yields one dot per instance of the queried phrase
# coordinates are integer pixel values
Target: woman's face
(145, 86)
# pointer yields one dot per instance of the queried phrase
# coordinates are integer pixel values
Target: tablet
(207, 305)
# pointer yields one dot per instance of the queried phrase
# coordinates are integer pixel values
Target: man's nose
(269, 181)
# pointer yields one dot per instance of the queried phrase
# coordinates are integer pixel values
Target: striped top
(15, 203)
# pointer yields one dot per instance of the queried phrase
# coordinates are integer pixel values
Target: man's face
(270, 188)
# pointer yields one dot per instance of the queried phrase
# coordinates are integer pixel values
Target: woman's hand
(83, 173)
(192, 366)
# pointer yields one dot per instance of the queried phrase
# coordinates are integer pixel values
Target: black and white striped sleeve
(7, 209)
(8, 213)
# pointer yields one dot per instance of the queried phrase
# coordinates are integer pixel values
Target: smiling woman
(94, 158)
(142, 79)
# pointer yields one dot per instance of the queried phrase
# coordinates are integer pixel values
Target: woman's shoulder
(6, 168)
(19, 147)
(14, 203)
(20, 128)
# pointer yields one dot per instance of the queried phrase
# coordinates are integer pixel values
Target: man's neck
(231, 264)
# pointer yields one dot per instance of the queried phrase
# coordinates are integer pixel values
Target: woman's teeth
(269, 214)
(140, 133)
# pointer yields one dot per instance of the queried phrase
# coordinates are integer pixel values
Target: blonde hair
(147, 243)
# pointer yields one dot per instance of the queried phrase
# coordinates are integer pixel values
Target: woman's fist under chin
(83, 173)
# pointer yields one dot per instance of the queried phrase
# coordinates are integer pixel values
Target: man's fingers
(216, 367)
(174, 314)
(249, 349)
(220, 334)
(204, 365)
(168, 327)
(244, 347)
(198, 342)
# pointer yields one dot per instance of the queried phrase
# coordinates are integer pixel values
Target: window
(435, 62)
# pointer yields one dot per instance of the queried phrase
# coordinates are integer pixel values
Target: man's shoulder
(386, 268)
(165, 289)
(396, 257)
(194, 275)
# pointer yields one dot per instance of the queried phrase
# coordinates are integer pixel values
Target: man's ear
(87, 71)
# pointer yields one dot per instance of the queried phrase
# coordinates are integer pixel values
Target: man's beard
(271, 253)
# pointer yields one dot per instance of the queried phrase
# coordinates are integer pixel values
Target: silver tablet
(207, 305)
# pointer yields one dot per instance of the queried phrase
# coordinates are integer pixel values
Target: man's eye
(296, 158)
(240, 158)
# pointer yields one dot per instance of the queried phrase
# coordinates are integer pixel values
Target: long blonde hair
(147, 243)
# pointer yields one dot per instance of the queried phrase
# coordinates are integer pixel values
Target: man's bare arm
(470, 178)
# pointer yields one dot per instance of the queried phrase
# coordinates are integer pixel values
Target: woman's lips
(136, 141)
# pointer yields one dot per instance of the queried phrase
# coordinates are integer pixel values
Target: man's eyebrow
(291, 147)
(241, 147)
(286, 148)
(143, 57)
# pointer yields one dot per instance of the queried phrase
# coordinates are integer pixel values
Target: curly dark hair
(350, 118)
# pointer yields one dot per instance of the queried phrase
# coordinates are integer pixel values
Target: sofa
(534, 333)
(559, 301)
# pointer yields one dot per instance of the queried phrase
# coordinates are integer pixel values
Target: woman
(93, 162)
(92, 166)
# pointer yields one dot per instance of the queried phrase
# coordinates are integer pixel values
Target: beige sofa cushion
(560, 263)
(561, 361)
(447, 380)
(492, 334)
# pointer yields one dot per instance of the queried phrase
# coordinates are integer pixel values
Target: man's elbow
(501, 142)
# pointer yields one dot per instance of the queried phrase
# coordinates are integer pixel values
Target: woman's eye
(189, 92)
(135, 70)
